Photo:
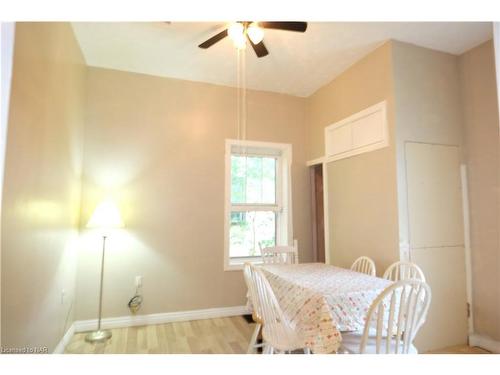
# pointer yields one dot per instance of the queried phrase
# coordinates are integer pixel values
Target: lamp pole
(105, 216)
(102, 278)
(100, 335)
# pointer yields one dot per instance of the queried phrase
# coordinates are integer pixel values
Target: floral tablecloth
(323, 300)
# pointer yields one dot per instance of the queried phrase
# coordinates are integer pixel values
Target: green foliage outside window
(253, 181)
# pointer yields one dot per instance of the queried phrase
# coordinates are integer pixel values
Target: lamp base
(98, 336)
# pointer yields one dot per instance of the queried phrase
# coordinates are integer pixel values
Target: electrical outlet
(138, 281)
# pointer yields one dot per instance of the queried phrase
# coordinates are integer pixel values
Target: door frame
(467, 247)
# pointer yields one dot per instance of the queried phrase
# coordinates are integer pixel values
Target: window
(257, 211)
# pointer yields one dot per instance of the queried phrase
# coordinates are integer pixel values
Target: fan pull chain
(238, 86)
(241, 95)
(244, 96)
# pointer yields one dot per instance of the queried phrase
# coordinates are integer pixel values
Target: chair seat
(352, 340)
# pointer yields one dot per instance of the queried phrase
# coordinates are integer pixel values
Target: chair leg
(268, 349)
(253, 341)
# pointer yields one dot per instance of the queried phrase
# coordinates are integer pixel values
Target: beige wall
(368, 193)
(41, 194)
(479, 100)
(361, 189)
(428, 108)
(157, 146)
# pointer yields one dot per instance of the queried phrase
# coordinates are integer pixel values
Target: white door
(436, 233)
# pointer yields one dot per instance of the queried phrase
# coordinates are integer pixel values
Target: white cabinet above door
(362, 132)
(339, 141)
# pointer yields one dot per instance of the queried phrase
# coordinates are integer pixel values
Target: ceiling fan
(241, 31)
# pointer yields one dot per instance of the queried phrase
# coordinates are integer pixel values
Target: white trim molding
(65, 340)
(326, 214)
(160, 318)
(317, 161)
(485, 342)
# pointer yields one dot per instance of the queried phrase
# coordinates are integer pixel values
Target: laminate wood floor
(460, 349)
(221, 336)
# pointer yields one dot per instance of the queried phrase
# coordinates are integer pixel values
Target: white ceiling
(297, 64)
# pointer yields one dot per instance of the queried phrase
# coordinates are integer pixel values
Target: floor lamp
(106, 216)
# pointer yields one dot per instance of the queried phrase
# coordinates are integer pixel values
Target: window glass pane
(268, 180)
(248, 229)
(238, 180)
(253, 179)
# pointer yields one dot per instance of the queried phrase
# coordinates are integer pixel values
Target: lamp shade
(106, 215)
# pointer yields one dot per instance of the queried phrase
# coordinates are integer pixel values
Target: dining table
(321, 301)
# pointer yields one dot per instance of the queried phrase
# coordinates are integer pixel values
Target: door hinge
(468, 310)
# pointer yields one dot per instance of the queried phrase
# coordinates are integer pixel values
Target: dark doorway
(318, 214)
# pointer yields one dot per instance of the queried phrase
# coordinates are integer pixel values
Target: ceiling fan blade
(210, 42)
(259, 48)
(289, 26)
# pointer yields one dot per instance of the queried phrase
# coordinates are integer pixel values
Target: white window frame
(283, 206)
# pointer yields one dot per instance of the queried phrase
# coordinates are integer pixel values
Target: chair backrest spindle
(248, 273)
(403, 271)
(277, 330)
(280, 254)
(397, 313)
(364, 265)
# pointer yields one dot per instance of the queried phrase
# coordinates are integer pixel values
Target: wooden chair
(248, 272)
(403, 271)
(278, 333)
(280, 254)
(364, 265)
(393, 320)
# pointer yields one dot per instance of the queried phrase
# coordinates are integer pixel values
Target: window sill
(236, 264)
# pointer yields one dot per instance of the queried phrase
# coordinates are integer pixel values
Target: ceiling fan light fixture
(255, 33)
(243, 31)
(237, 34)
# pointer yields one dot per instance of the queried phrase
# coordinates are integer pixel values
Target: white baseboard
(65, 340)
(178, 316)
(485, 342)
